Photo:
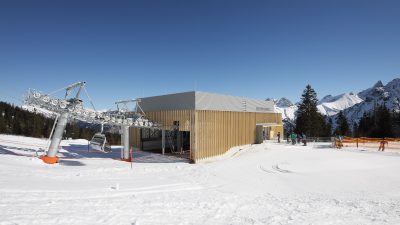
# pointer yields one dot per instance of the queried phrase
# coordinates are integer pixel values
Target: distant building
(204, 125)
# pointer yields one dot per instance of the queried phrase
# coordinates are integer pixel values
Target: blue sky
(257, 49)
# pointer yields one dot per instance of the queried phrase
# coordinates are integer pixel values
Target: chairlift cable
(66, 88)
(87, 94)
(61, 89)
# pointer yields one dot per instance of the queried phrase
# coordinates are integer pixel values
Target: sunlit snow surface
(269, 183)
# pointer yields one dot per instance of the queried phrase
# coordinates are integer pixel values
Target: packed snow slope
(269, 183)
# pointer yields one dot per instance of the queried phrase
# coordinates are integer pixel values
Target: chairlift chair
(99, 142)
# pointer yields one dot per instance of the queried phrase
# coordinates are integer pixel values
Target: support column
(179, 141)
(163, 141)
(125, 142)
(51, 157)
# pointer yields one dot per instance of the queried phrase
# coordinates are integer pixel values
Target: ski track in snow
(261, 184)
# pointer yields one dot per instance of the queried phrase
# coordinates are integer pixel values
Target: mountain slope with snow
(336, 104)
(379, 94)
(353, 105)
(329, 105)
(286, 107)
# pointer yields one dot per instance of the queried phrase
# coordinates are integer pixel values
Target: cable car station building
(203, 125)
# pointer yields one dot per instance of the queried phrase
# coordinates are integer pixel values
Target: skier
(382, 145)
(288, 137)
(279, 137)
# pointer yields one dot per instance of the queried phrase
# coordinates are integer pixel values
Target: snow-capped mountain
(329, 105)
(284, 103)
(333, 105)
(353, 105)
(286, 107)
(379, 94)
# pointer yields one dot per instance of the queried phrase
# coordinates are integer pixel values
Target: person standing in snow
(293, 136)
(338, 142)
(288, 137)
(279, 137)
(382, 145)
(298, 138)
(304, 139)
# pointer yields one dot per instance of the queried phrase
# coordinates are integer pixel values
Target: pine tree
(342, 125)
(309, 120)
(377, 123)
(384, 122)
(396, 123)
(366, 125)
(355, 130)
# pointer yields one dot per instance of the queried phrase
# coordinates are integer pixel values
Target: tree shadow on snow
(4, 151)
(17, 151)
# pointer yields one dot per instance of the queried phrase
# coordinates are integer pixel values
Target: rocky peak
(284, 103)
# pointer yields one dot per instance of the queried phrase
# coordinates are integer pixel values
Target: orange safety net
(366, 142)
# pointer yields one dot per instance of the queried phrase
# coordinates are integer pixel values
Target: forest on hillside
(17, 121)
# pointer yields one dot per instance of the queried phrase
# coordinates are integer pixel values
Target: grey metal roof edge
(234, 96)
(200, 100)
(164, 95)
(221, 102)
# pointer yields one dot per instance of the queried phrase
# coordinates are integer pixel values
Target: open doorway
(177, 142)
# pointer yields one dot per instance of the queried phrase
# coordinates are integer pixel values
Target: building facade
(203, 125)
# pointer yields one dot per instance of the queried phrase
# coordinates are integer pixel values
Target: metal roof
(197, 100)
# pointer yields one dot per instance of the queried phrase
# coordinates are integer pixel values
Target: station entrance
(174, 141)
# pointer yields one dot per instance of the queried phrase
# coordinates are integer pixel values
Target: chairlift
(99, 142)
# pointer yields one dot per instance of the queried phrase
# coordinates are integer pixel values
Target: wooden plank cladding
(212, 133)
(218, 131)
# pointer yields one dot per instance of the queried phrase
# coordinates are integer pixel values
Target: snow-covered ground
(269, 183)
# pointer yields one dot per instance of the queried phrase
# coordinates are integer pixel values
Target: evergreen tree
(328, 127)
(309, 120)
(384, 122)
(378, 123)
(355, 130)
(342, 125)
(365, 125)
(396, 123)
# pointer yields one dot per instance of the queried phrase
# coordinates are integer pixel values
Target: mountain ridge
(353, 105)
